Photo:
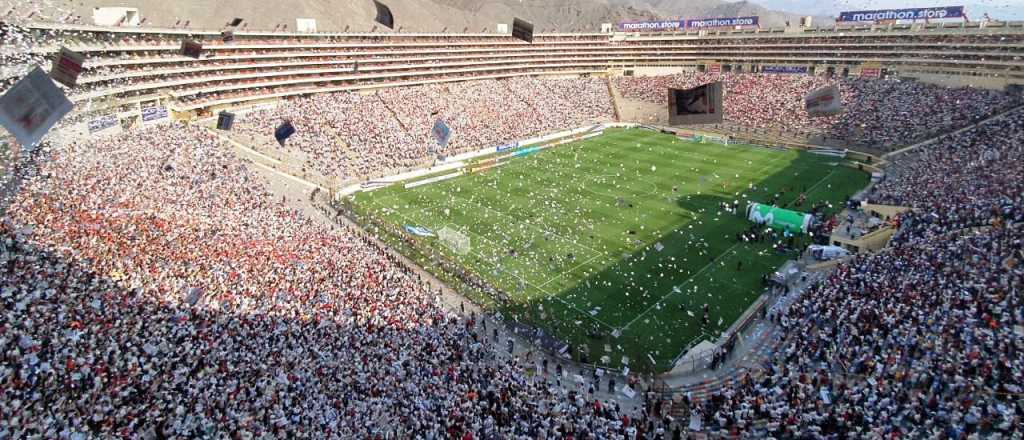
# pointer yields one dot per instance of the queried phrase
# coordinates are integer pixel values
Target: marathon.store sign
(716, 23)
(650, 26)
(693, 23)
(912, 14)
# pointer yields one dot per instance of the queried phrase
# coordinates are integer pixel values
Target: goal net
(455, 240)
(716, 139)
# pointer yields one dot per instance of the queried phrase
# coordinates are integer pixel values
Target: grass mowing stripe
(674, 288)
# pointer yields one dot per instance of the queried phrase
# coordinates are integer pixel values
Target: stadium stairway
(393, 113)
(615, 98)
(345, 148)
(748, 361)
(529, 104)
(733, 370)
(893, 154)
(752, 370)
(282, 167)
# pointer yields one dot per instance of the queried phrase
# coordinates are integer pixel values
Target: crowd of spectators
(153, 288)
(920, 341)
(355, 135)
(923, 340)
(968, 179)
(877, 112)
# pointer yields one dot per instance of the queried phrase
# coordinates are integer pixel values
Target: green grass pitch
(571, 235)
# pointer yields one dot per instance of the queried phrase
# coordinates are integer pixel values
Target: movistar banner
(711, 23)
(778, 218)
(912, 14)
(784, 69)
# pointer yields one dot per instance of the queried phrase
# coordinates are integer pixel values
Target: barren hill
(410, 15)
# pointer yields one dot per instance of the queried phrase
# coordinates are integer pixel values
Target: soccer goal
(716, 139)
(455, 240)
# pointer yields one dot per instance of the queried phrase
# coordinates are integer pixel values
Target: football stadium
(578, 219)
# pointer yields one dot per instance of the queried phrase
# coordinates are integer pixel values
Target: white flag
(30, 108)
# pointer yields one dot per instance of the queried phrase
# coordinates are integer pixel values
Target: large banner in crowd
(699, 105)
(911, 14)
(778, 218)
(690, 23)
(31, 107)
(825, 101)
(442, 133)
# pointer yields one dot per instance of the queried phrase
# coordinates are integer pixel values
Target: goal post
(716, 139)
(455, 240)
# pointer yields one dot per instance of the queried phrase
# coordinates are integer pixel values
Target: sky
(997, 9)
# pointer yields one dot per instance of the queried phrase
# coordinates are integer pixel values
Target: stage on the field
(617, 242)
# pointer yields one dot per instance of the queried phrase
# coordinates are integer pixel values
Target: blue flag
(442, 133)
(283, 132)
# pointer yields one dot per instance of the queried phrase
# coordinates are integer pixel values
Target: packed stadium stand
(153, 286)
(131, 65)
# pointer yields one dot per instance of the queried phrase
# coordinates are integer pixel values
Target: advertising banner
(433, 179)
(102, 124)
(418, 231)
(778, 218)
(650, 26)
(871, 72)
(784, 69)
(506, 147)
(912, 14)
(526, 152)
(690, 23)
(150, 114)
(718, 23)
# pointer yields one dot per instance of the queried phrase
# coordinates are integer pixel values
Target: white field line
(673, 290)
(568, 271)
